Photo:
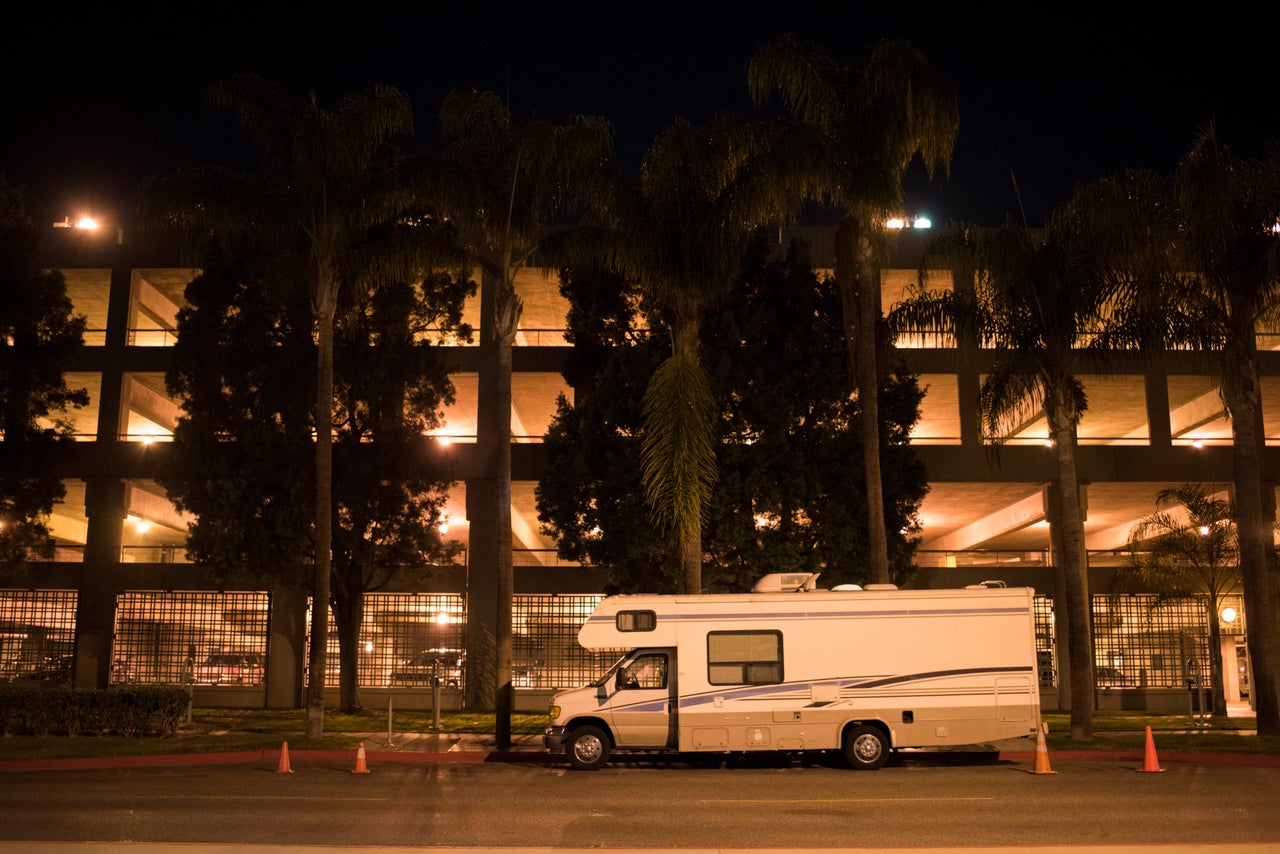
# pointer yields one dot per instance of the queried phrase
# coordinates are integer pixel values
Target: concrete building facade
(120, 602)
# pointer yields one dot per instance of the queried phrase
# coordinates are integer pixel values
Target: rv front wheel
(588, 748)
(866, 748)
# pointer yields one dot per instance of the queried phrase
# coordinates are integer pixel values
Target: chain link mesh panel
(546, 650)
(406, 640)
(1046, 652)
(409, 639)
(172, 637)
(1144, 641)
(37, 635)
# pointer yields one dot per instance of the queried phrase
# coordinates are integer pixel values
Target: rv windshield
(608, 674)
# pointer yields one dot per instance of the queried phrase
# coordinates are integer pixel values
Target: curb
(1255, 760)
(242, 757)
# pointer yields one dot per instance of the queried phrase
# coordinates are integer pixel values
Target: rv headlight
(553, 712)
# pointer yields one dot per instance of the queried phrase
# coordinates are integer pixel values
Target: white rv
(865, 671)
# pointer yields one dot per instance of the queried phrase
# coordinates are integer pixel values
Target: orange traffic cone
(1149, 761)
(283, 767)
(360, 768)
(1042, 755)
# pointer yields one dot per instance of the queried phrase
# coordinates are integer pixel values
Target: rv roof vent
(840, 588)
(984, 584)
(881, 587)
(787, 582)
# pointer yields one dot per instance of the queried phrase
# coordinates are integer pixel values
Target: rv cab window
(647, 671)
(636, 621)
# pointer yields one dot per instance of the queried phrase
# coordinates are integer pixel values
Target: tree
(785, 426)
(1188, 549)
(507, 188)
(329, 178)
(1229, 247)
(1036, 303)
(244, 365)
(684, 229)
(38, 337)
(1195, 265)
(869, 121)
(389, 490)
(791, 492)
(590, 496)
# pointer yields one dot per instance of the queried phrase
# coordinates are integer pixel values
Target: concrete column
(482, 497)
(286, 647)
(967, 385)
(482, 590)
(1156, 382)
(106, 505)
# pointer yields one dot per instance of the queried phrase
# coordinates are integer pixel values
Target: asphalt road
(647, 804)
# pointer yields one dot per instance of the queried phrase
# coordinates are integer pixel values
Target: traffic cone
(283, 767)
(1042, 755)
(360, 768)
(1150, 763)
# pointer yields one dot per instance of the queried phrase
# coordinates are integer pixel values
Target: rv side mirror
(602, 692)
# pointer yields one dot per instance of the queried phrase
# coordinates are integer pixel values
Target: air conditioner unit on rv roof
(787, 582)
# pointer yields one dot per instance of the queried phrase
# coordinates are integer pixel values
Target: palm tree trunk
(858, 280)
(506, 320)
(688, 344)
(1215, 657)
(348, 613)
(1255, 540)
(1062, 424)
(326, 305)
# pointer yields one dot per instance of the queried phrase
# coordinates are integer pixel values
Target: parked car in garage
(54, 669)
(1111, 677)
(231, 668)
(419, 669)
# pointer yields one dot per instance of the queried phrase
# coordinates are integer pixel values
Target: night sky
(96, 99)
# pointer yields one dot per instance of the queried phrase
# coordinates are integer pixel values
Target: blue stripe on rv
(838, 615)
(755, 692)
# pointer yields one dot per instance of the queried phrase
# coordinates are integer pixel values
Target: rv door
(642, 697)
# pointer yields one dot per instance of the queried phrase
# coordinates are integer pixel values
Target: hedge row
(129, 710)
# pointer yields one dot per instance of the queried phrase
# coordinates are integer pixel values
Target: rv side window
(636, 621)
(744, 658)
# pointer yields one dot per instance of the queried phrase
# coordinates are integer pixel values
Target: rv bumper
(553, 739)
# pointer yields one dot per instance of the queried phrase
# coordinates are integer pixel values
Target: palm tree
(328, 179)
(703, 193)
(1188, 548)
(1195, 262)
(869, 120)
(1036, 304)
(1229, 212)
(505, 187)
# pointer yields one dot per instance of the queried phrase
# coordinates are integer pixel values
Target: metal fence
(1046, 652)
(1146, 641)
(409, 639)
(401, 636)
(546, 650)
(37, 635)
(220, 638)
(211, 638)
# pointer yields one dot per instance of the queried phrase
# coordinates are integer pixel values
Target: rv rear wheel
(587, 748)
(866, 748)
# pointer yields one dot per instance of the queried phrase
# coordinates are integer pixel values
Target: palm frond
(678, 463)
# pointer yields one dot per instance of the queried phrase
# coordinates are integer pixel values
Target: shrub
(129, 710)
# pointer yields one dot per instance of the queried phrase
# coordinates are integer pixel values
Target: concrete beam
(1014, 517)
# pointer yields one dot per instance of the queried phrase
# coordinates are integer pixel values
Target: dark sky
(96, 98)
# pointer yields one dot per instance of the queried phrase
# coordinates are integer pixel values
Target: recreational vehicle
(864, 671)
